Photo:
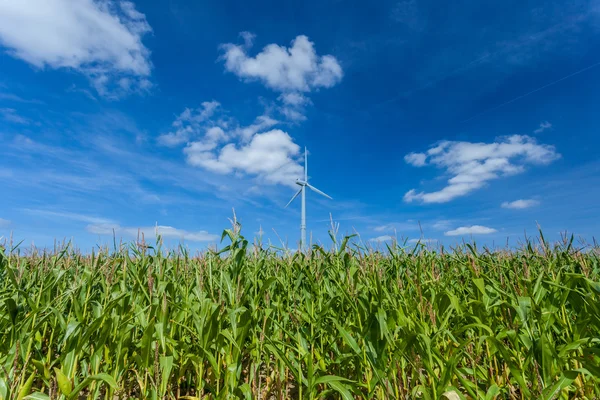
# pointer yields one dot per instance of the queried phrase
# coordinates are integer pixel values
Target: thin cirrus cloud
(221, 145)
(293, 70)
(543, 126)
(470, 230)
(409, 225)
(472, 165)
(100, 39)
(422, 240)
(105, 226)
(149, 232)
(11, 115)
(4, 223)
(520, 204)
(382, 239)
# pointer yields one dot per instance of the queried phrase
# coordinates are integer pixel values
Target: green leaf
(166, 364)
(11, 306)
(330, 378)
(341, 389)
(103, 377)
(64, 383)
(453, 393)
(480, 284)
(345, 243)
(3, 389)
(245, 389)
(37, 396)
(26, 388)
(348, 338)
(524, 309)
(565, 380)
(492, 392)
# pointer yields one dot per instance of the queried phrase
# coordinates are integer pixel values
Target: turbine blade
(314, 189)
(296, 195)
(305, 164)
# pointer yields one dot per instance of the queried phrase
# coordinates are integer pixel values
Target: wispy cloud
(100, 39)
(85, 92)
(397, 227)
(472, 165)
(106, 226)
(67, 215)
(383, 228)
(442, 224)
(18, 99)
(192, 123)
(423, 240)
(407, 13)
(381, 239)
(102, 160)
(520, 204)
(470, 230)
(543, 126)
(11, 115)
(294, 106)
(4, 223)
(165, 231)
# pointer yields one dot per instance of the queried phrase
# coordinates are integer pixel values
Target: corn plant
(139, 321)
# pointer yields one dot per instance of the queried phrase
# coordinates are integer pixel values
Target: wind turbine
(303, 185)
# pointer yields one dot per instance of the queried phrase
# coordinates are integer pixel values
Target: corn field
(409, 322)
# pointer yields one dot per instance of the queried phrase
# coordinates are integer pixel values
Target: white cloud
(67, 215)
(248, 38)
(150, 232)
(472, 165)
(190, 123)
(15, 98)
(292, 71)
(294, 106)
(269, 156)
(520, 204)
(422, 240)
(383, 228)
(104, 226)
(416, 159)
(222, 146)
(260, 124)
(293, 114)
(294, 99)
(409, 225)
(441, 224)
(543, 126)
(100, 38)
(11, 115)
(297, 68)
(381, 239)
(4, 223)
(471, 230)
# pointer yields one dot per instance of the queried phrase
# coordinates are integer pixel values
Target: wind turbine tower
(303, 185)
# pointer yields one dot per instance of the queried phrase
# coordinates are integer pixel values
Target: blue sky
(423, 120)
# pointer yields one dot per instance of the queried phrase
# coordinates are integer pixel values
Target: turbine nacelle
(300, 182)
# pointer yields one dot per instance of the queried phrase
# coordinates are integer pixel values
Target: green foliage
(251, 323)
